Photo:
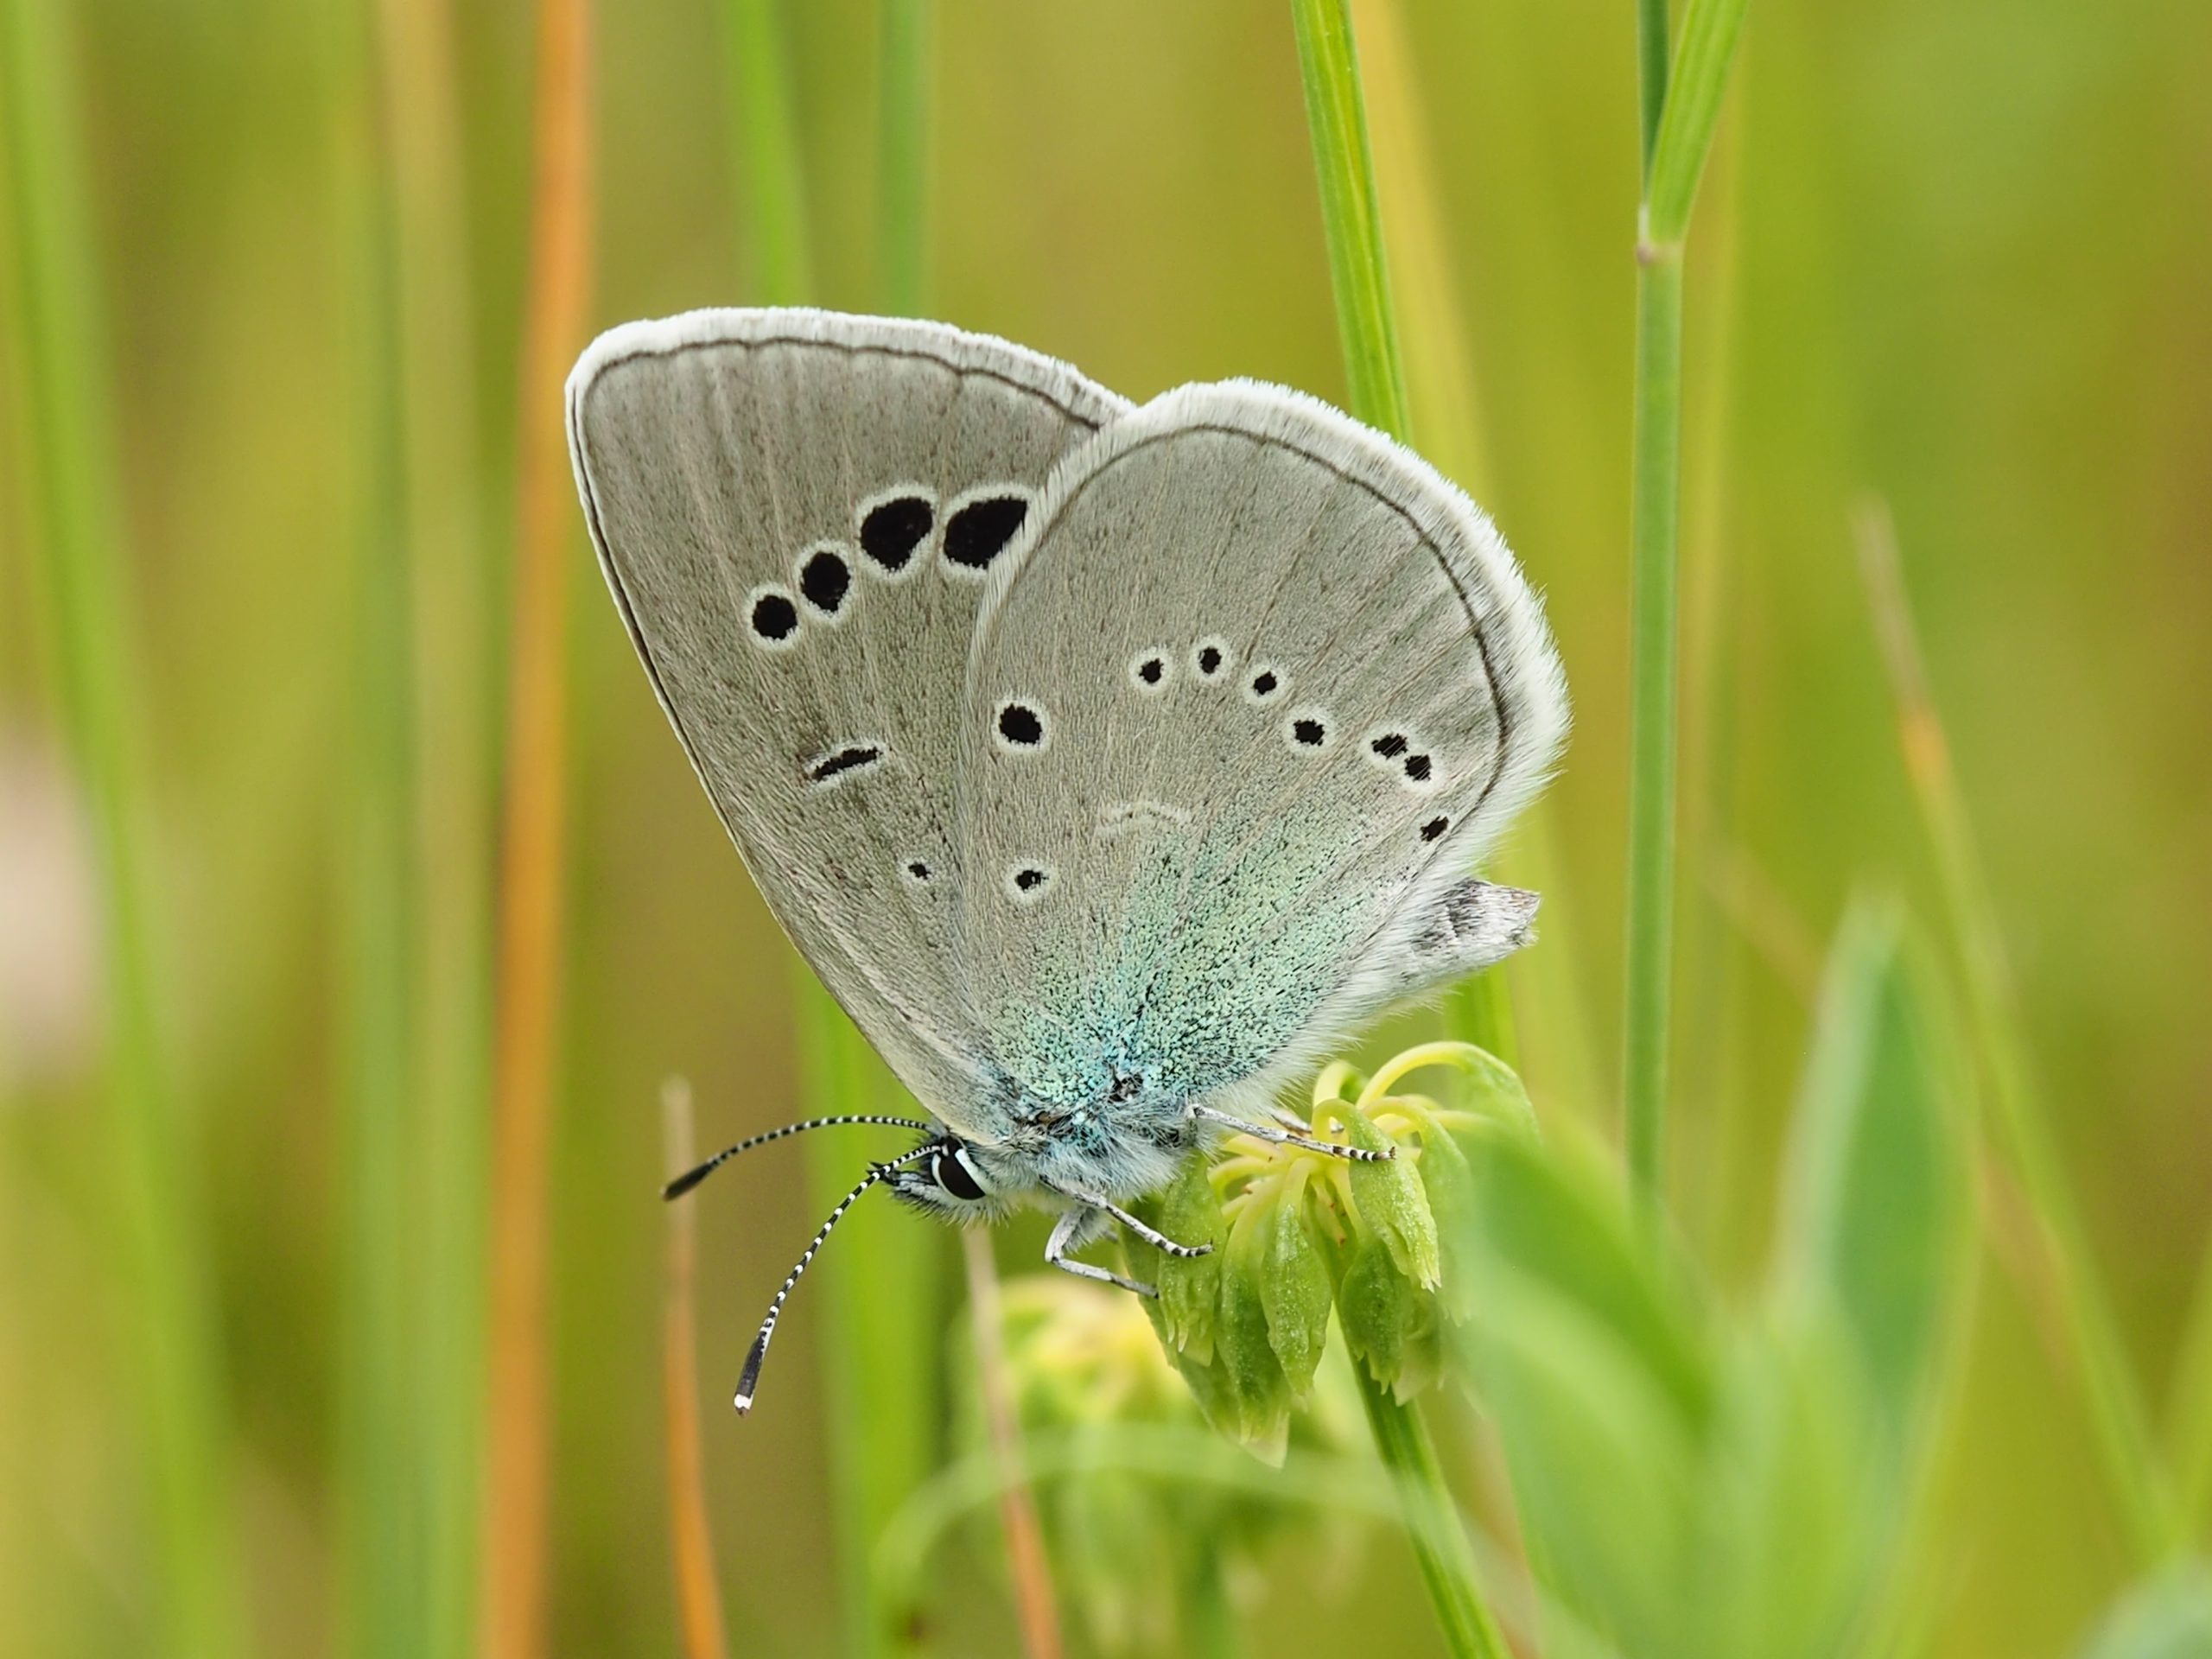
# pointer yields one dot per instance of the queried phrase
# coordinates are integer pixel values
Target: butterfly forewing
(799, 514)
(1258, 690)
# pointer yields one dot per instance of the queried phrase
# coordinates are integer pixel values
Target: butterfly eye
(953, 1175)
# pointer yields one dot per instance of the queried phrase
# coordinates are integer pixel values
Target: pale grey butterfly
(1109, 763)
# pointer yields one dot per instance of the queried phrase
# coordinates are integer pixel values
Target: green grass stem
(1440, 1544)
(1654, 599)
(768, 168)
(1343, 167)
(885, 1283)
(73, 496)
(2141, 1486)
(1676, 159)
(381, 1479)
(903, 144)
(454, 661)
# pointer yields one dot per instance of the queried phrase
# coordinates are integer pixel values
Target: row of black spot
(890, 533)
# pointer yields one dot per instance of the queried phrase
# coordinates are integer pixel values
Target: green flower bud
(1189, 1212)
(1391, 1203)
(1375, 1305)
(1296, 1285)
(1261, 1390)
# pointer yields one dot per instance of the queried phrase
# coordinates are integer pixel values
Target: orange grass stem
(530, 920)
(698, 1600)
(1025, 1539)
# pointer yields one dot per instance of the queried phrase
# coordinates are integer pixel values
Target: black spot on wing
(978, 532)
(774, 619)
(894, 529)
(824, 580)
(852, 758)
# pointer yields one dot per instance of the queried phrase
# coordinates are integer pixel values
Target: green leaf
(1699, 77)
(1550, 1213)
(1792, 1497)
(1604, 1467)
(1882, 1203)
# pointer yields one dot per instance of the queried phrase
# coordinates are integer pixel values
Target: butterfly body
(1108, 762)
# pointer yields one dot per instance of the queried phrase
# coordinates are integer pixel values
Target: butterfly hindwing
(1256, 689)
(799, 513)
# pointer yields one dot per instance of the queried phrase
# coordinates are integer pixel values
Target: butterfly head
(952, 1178)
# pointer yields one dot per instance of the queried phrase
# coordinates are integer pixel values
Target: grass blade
(73, 497)
(1881, 1198)
(1692, 110)
(449, 575)
(1345, 170)
(515, 1499)
(2139, 1483)
(1650, 73)
(381, 1472)
(768, 157)
(902, 175)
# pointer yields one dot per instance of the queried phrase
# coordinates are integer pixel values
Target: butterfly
(1108, 762)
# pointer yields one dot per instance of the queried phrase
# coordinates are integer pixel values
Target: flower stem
(1446, 1560)
(1652, 648)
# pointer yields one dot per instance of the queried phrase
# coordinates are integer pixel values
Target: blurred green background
(1953, 254)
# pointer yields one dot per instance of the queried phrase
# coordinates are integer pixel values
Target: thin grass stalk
(2140, 1484)
(516, 1495)
(883, 1286)
(698, 1599)
(1035, 1613)
(72, 497)
(768, 166)
(1653, 602)
(1676, 154)
(1351, 221)
(903, 140)
(449, 576)
(1439, 1543)
(380, 1482)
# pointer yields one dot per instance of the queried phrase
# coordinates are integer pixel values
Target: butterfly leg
(1158, 1240)
(1281, 1137)
(1075, 1229)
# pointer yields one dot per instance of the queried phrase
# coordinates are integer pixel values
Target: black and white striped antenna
(751, 1375)
(691, 1177)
